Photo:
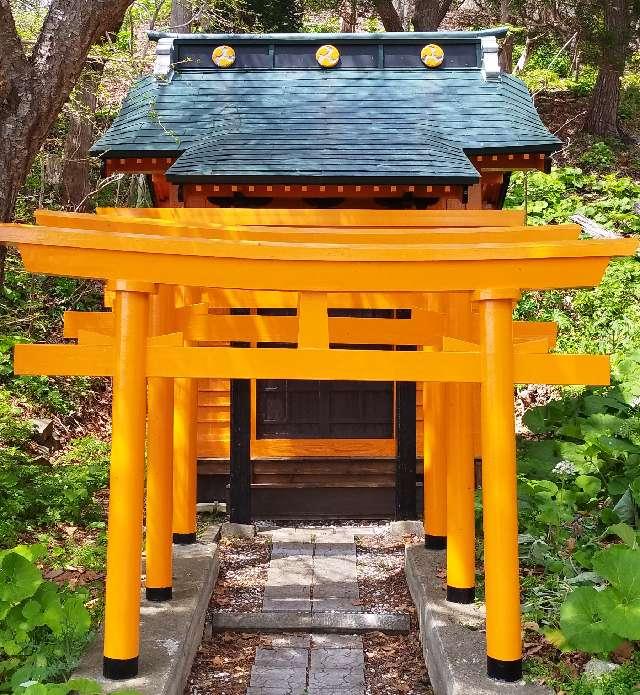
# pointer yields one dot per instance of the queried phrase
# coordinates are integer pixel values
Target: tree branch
(70, 28)
(14, 61)
(428, 14)
(388, 15)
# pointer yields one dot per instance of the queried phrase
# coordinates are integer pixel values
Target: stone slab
(288, 591)
(346, 605)
(328, 658)
(295, 549)
(291, 641)
(281, 657)
(230, 530)
(314, 690)
(337, 678)
(279, 690)
(278, 678)
(347, 550)
(335, 623)
(286, 604)
(453, 646)
(171, 631)
(336, 590)
(401, 528)
(336, 642)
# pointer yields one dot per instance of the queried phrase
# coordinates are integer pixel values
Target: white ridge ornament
(223, 56)
(432, 55)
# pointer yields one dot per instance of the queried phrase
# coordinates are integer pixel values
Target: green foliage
(65, 493)
(554, 197)
(578, 481)
(276, 15)
(561, 677)
(43, 628)
(598, 156)
(598, 620)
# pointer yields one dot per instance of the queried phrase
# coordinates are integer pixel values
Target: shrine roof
(379, 115)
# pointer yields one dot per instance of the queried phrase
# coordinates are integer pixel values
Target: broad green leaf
(635, 490)
(83, 686)
(76, 617)
(589, 484)
(583, 621)
(621, 568)
(608, 517)
(626, 508)
(605, 422)
(617, 485)
(19, 578)
(624, 532)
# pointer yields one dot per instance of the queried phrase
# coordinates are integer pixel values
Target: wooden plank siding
(213, 431)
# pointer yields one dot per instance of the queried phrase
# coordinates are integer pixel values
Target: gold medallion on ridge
(223, 56)
(432, 55)
(328, 56)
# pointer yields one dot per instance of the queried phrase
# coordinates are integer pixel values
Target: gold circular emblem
(328, 56)
(223, 56)
(432, 55)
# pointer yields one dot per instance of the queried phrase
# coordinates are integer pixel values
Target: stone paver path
(309, 665)
(311, 570)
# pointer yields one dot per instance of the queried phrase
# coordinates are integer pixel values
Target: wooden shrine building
(378, 122)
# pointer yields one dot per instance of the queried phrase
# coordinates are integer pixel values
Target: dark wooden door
(296, 409)
(324, 409)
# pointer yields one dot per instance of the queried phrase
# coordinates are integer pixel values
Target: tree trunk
(34, 88)
(602, 118)
(388, 15)
(181, 16)
(506, 50)
(348, 16)
(428, 14)
(75, 159)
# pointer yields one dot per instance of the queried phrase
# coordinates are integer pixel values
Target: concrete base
(231, 530)
(401, 528)
(452, 635)
(303, 621)
(171, 632)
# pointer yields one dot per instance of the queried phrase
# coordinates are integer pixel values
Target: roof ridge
(498, 32)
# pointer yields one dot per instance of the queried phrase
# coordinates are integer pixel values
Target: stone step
(304, 621)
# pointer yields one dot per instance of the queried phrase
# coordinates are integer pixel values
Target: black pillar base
(158, 594)
(435, 542)
(184, 538)
(119, 669)
(457, 595)
(509, 671)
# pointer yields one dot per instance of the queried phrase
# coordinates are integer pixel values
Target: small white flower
(635, 403)
(564, 467)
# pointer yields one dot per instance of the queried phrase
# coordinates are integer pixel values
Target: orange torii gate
(140, 263)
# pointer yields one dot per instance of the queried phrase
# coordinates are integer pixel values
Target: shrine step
(305, 621)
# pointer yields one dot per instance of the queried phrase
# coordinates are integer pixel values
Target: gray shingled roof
(341, 124)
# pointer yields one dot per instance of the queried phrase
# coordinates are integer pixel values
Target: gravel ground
(223, 665)
(243, 573)
(393, 663)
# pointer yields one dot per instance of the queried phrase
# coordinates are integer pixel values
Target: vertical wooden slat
(240, 473)
(405, 507)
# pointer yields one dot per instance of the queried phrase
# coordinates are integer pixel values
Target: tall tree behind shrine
(612, 32)
(36, 81)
